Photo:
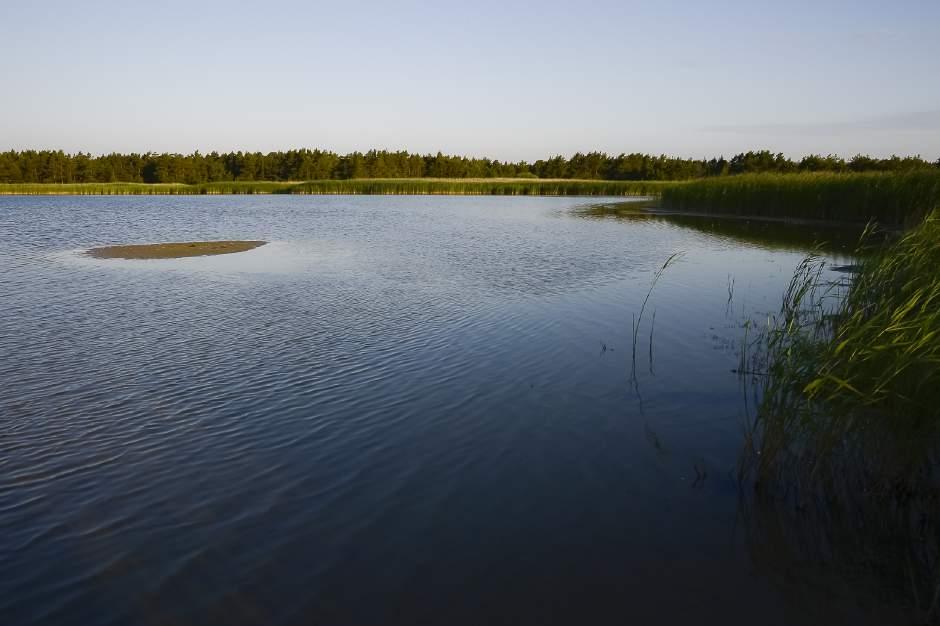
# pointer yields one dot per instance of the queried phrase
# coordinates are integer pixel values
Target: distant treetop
(56, 166)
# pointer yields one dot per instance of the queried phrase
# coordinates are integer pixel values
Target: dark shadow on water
(877, 552)
(775, 235)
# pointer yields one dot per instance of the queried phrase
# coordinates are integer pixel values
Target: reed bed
(511, 187)
(145, 189)
(881, 548)
(846, 432)
(889, 198)
(844, 362)
(435, 186)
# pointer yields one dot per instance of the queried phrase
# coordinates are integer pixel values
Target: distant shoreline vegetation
(889, 198)
(56, 166)
(892, 191)
(364, 186)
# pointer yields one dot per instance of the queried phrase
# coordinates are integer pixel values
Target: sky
(506, 80)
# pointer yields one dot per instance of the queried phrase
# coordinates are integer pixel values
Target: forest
(57, 166)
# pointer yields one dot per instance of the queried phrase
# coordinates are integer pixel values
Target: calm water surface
(401, 410)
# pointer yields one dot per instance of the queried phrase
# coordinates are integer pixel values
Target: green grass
(885, 356)
(418, 186)
(135, 189)
(500, 187)
(889, 198)
(856, 364)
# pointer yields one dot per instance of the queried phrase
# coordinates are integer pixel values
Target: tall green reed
(842, 451)
(889, 198)
(855, 369)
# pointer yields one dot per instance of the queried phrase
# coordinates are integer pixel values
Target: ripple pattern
(398, 411)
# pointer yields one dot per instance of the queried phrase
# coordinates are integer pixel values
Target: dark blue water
(401, 410)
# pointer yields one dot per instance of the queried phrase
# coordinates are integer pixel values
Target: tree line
(56, 166)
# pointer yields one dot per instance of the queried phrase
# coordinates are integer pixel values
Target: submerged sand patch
(174, 250)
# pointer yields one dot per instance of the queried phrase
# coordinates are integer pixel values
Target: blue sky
(502, 79)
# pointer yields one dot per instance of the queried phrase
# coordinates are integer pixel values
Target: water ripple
(397, 399)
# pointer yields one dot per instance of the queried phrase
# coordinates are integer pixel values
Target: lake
(400, 410)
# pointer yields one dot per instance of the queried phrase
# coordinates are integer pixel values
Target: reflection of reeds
(845, 437)
(779, 234)
(730, 293)
(881, 546)
(652, 328)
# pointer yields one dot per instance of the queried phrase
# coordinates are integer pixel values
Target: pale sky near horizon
(507, 80)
